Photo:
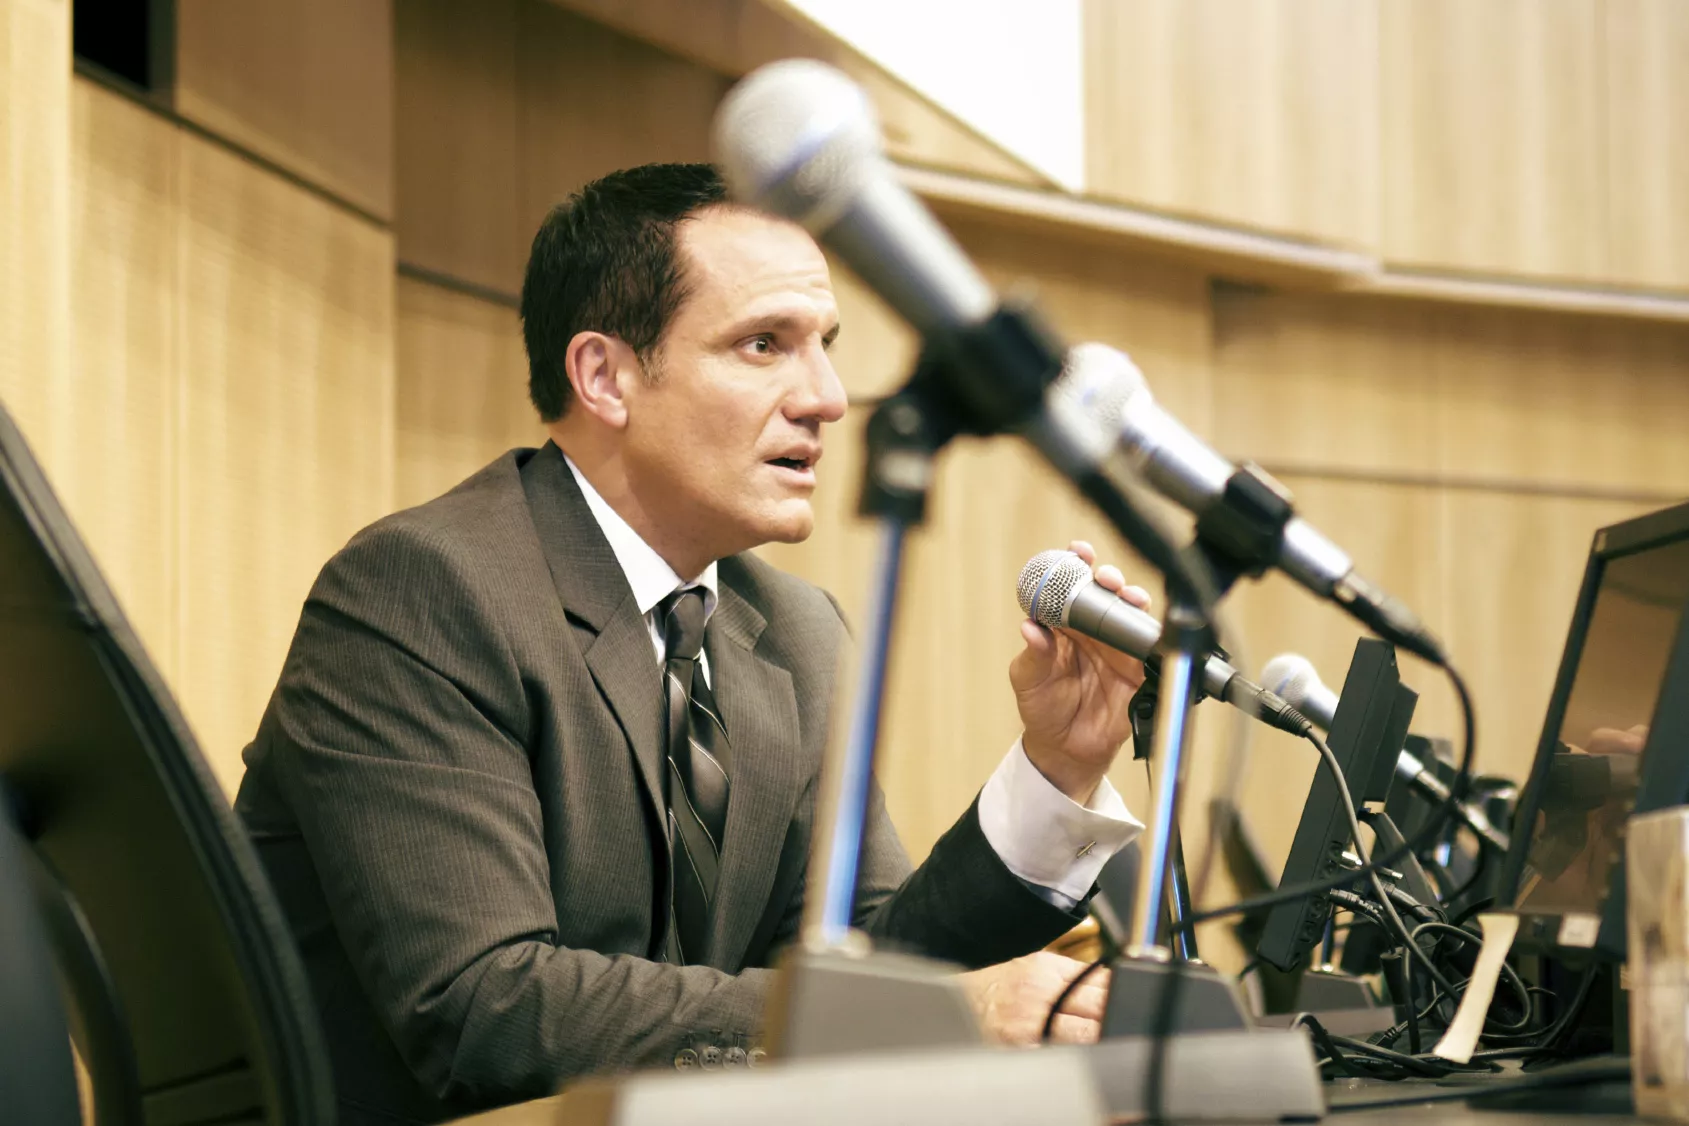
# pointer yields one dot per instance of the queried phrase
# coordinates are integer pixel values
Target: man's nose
(821, 396)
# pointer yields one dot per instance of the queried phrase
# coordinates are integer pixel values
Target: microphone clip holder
(1241, 535)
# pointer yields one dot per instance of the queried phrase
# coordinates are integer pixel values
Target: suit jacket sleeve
(397, 737)
(962, 904)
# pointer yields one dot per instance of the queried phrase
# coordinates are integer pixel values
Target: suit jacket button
(756, 1057)
(710, 1057)
(685, 1060)
(734, 1057)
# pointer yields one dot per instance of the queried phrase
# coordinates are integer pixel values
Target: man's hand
(1613, 741)
(1013, 999)
(1073, 694)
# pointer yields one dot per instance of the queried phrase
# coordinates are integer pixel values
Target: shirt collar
(648, 574)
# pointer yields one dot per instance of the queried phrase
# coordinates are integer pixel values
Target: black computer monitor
(182, 985)
(1366, 737)
(1615, 739)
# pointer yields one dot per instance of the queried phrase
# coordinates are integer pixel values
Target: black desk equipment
(1615, 739)
(1367, 733)
(185, 995)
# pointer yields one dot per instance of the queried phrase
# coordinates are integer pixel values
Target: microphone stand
(835, 993)
(1234, 538)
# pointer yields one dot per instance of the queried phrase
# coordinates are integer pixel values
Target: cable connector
(1269, 707)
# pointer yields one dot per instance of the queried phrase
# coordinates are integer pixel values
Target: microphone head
(1100, 381)
(797, 138)
(1293, 678)
(1047, 585)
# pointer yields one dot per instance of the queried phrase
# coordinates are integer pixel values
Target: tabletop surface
(1589, 1105)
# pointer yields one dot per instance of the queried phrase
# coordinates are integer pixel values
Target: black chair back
(184, 991)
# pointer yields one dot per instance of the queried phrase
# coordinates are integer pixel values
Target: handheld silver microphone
(1056, 589)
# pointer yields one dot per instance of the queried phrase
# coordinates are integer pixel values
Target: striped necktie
(697, 776)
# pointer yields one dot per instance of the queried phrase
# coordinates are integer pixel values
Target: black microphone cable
(1438, 819)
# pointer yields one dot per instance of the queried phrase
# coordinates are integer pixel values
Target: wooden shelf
(1253, 256)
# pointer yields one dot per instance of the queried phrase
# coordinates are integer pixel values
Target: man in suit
(537, 784)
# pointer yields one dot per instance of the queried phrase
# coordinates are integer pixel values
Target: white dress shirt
(1051, 842)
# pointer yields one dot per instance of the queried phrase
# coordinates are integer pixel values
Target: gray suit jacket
(456, 790)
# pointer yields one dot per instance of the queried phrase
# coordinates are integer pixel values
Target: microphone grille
(796, 138)
(1292, 676)
(1100, 381)
(1047, 582)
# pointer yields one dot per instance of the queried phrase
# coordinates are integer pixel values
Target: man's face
(721, 447)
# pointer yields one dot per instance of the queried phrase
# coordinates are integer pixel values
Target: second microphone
(1056, 590)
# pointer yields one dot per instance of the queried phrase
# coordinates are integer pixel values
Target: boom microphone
(1295, 678)
(799, 139)
(1184, 469)
(1056, 589)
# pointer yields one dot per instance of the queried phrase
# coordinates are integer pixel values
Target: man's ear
(597, 364)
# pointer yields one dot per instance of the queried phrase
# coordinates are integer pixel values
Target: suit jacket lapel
(614, 637)
(760, 711)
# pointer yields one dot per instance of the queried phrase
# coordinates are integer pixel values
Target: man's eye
(762, 345)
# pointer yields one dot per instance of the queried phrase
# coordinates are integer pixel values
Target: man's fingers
(1032, 665)
(1085, 551)
(1137, 596)
(1108, 577)
(1075, 1030)
(1088, 1001)
(1122, 664)
(1040, 642)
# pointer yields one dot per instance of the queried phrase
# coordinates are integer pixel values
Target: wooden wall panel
(125, 375)
(455, 140)
(1514, 565)
(1563, 400)
(35, 223)
(1308, 380)
(580, 116)
(286, 347)
(1157, 313)
(307, 84)
(462, 389)
(1511, 398)
(1492, 137)
(1259, 114)
(1647, 126)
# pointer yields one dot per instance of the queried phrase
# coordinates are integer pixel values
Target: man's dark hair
(605, 260)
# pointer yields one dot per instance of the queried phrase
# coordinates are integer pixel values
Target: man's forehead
(735, 255)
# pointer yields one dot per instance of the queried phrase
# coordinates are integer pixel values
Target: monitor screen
(1594, 765)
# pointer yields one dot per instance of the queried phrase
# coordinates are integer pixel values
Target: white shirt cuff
(1045, 837)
